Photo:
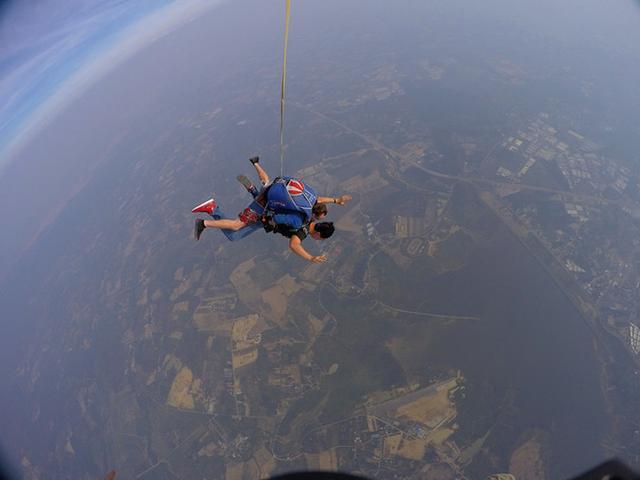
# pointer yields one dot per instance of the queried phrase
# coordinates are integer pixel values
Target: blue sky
(51, 51)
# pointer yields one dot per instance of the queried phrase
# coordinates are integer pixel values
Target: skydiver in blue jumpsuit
(287, 206)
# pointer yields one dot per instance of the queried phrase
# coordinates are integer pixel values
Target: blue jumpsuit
(289, 200)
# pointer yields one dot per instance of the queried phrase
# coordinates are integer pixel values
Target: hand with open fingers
(318, 259)
(343, 199)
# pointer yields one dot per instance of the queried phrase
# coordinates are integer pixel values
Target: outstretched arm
(341, 200)
(295, 244)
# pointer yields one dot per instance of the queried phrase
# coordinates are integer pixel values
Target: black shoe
(254, 160)
(199, 228)
(246, 183)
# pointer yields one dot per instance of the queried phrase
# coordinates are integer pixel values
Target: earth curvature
(477, 313)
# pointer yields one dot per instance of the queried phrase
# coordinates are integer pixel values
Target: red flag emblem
(295, 187)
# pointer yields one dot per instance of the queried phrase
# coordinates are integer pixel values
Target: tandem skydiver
(286, 206)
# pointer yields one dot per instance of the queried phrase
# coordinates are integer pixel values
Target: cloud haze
(44, 68)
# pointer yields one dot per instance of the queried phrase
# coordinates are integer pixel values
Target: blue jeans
(254, 207)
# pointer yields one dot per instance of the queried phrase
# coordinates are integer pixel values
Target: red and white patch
(294, 187)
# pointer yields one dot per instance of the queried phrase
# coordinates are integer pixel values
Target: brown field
(412, 449)
(526, 462)
(244, 358)
(179, 395)
(326, 460)
(235, 471)
(392, 444)
(241, 328)
(429, 406)
(242, 281)
(206, 321)
(289, 285)
(265, 461)
(429, 410)
(276, 298)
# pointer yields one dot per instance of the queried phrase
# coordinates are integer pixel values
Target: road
(392, 153)
(442, 316)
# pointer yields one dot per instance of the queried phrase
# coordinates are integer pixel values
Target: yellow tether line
(283, 83)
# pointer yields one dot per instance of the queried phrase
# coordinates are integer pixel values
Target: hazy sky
(50, 52)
